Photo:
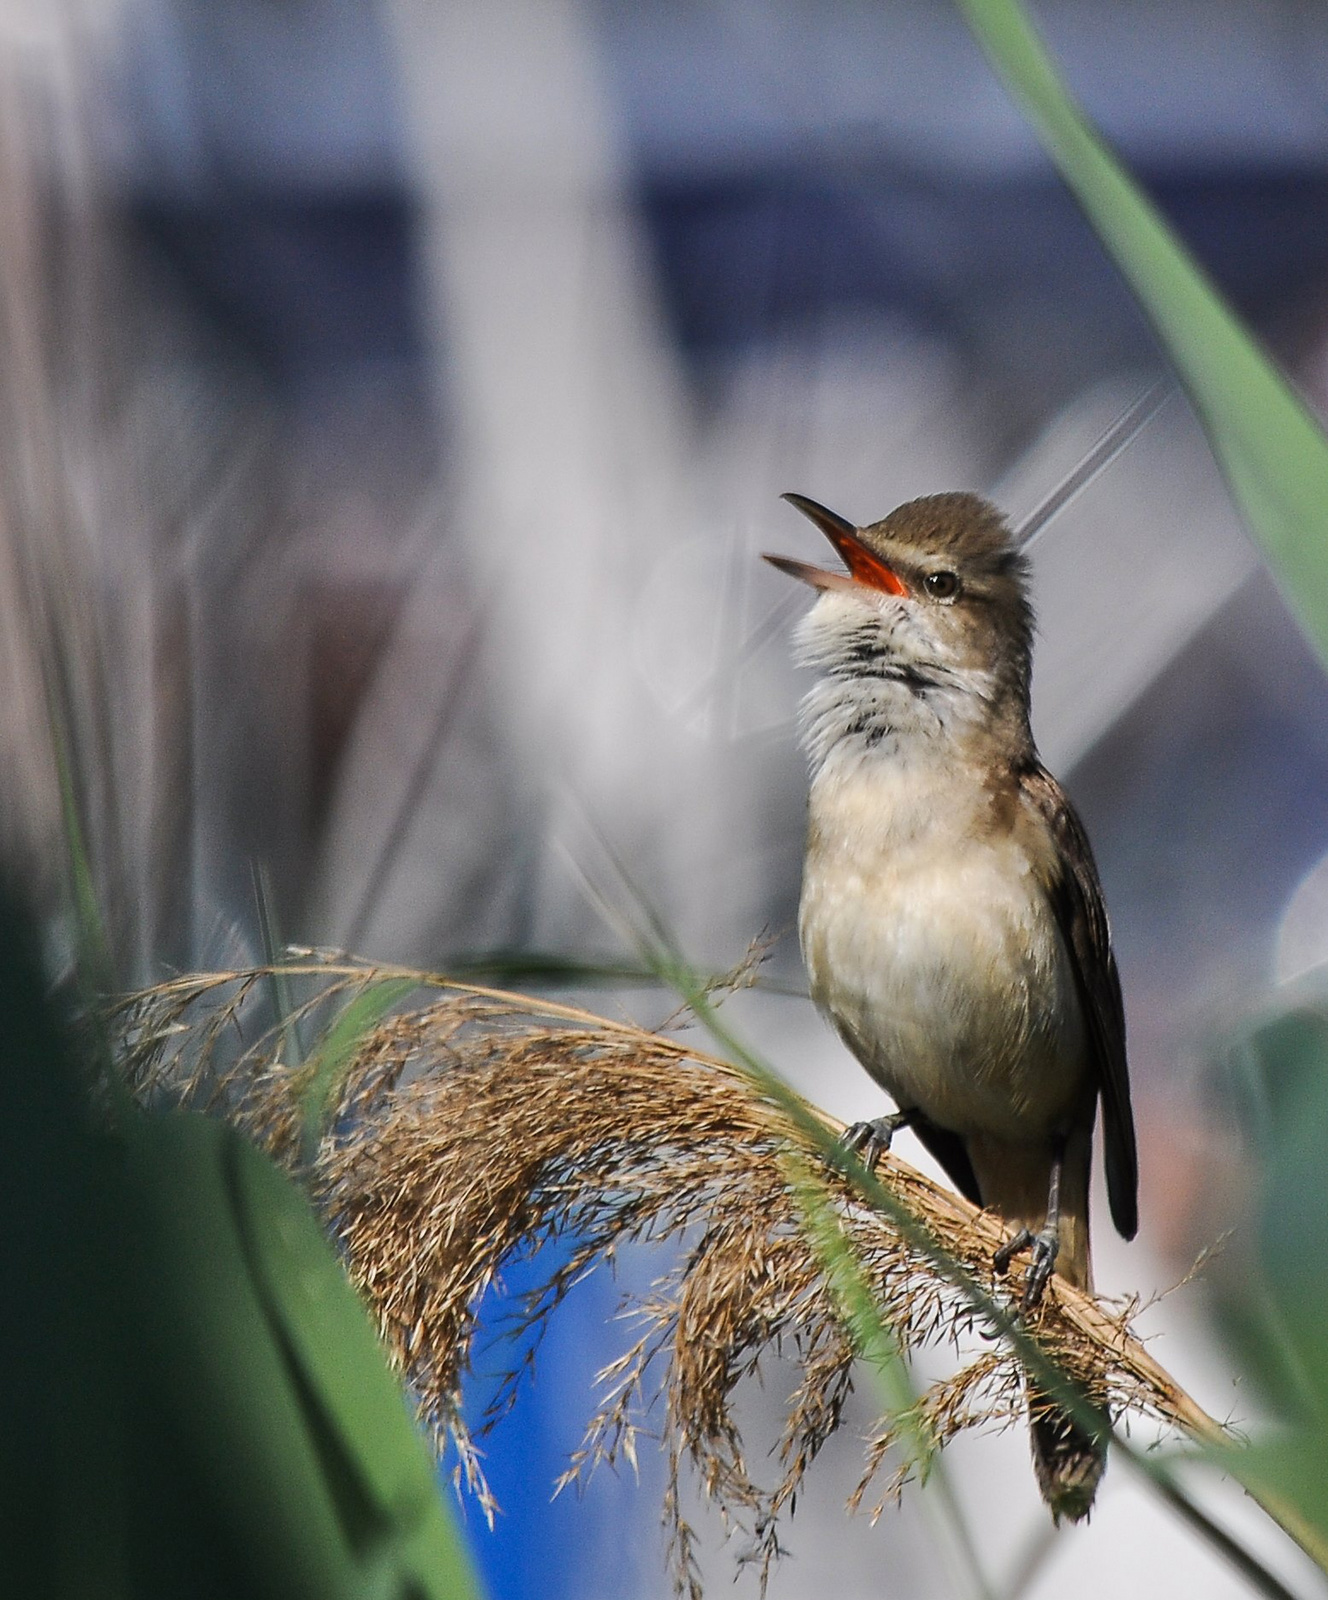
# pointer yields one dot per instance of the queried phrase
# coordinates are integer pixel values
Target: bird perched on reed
(952, 921)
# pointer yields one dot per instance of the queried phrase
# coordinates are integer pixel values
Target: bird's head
(936, 592)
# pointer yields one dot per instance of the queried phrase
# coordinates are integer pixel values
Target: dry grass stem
(472, 1129)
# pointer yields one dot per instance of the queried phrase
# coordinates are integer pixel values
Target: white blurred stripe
(1128, 574)
(569, 428)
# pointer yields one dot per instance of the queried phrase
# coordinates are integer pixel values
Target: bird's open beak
(864, 567)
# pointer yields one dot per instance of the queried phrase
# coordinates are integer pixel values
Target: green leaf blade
(295, 1426)
(1267, 443)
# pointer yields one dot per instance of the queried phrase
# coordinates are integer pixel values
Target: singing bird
(952, 921)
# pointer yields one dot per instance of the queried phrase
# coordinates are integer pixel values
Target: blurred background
(394, 402)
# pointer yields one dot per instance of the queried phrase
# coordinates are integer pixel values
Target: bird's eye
(941, 585)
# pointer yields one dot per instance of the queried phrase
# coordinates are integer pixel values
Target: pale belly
(943, 969)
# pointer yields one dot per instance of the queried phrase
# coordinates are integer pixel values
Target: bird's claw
(1045, 1247)
(870, 1140)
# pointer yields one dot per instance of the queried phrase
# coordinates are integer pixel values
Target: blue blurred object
(571, 1547)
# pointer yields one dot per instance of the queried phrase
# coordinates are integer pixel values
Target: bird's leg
(1044, 1244)
(872, 1139)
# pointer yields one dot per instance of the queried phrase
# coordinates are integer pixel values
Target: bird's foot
(1045, 1247)
(871, 1140)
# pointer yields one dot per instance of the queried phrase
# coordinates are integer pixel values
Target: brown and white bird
(952, 920)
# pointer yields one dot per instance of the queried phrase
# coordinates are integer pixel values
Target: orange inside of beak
(864, 567)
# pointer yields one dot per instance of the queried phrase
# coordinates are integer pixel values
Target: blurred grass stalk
(1274, 456)
(1268, 444)
(195, 1401)
(885, 1358)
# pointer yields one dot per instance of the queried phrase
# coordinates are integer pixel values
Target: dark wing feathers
(1076, 899)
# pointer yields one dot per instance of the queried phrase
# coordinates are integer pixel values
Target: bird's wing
(1076, 899)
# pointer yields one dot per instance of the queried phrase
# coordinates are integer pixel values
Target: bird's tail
(1067, 1459)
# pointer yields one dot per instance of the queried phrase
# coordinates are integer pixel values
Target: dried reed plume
(443, 1140)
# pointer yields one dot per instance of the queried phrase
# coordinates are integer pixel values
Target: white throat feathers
(884, 689)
